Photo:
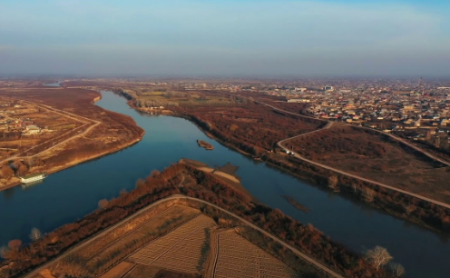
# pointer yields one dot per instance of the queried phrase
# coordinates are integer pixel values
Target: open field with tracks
(170, 240)
(73, 130)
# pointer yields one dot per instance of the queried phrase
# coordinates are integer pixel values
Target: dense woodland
(206, 187)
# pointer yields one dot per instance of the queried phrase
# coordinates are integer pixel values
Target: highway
(330, 124)
(181, 197)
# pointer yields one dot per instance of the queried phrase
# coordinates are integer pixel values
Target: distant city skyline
(231, 38)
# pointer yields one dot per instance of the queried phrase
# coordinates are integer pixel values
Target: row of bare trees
(15, 244)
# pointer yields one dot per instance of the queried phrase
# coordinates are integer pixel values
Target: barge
(33, 178)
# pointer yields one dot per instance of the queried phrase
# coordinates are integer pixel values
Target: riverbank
(400, 205)
(66, 156)
(176, 179)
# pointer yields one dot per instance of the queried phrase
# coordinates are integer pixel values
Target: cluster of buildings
(10, 123)
(421, 113)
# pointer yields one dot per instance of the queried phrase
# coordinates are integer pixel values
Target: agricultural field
(105, 252)
(237, 257)
(170, 240)
(180, 250)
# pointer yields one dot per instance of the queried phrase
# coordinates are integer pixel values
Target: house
(33, 129)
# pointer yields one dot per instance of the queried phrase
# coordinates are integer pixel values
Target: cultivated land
(73, 130)
(179, 243)
(179, 215)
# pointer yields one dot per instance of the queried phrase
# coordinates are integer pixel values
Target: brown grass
(376, 157)
(237, 257)
(143, 271)
(179, 250)
(116, 131)
(118, 271)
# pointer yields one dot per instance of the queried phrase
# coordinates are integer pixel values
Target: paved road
(181, 197)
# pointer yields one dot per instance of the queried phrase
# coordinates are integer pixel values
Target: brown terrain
(376, 157)
(184, 221)
(80, 131)
(255, 127)
(245, 122)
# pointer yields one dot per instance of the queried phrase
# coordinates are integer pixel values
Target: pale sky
(263, 38)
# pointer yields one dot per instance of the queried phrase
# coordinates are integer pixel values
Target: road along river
(69, 195)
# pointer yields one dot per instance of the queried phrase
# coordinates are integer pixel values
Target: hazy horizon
(228, 38)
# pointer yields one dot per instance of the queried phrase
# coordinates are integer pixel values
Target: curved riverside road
(181, 197)
(366, 128)
(330, 124)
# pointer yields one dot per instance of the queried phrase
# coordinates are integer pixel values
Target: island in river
(51, 129)
(205, 145)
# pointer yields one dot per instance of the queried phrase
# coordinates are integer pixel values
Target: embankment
(400, 205)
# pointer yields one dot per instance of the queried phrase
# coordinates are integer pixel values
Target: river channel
(69, 195)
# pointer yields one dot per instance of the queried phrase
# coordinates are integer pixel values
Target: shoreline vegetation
(405, 207)
(207, 146)
(68, 157)
(400, 205)
(181, 179)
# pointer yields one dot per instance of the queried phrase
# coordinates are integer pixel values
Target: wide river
(69, 195)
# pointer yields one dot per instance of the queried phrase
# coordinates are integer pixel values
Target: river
(69, 195)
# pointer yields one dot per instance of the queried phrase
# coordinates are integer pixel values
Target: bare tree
(333, 183)
(368, 194)
(397, 269)
(4, 252)
(35, 234)
(123, 192)
(6, 172)
(140, 183)
(22, 170)
(103, 203)
(15, 244)
(155, 173)
(379, 256)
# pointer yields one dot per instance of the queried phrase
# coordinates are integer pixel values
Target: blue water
(69, 195)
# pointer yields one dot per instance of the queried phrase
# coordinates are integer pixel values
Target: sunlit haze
(224, 38)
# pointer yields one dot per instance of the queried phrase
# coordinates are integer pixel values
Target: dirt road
(88, 125)
(181, 197)
(281, 145)
(405, 142)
